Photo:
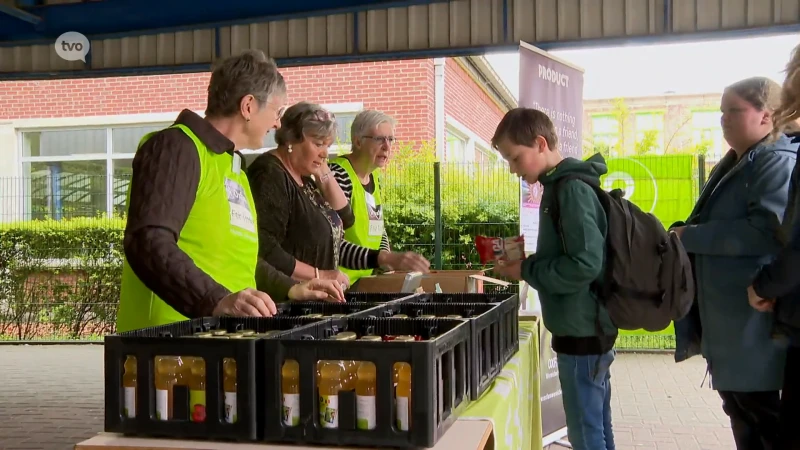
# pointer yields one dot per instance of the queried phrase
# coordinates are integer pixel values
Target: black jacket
(780, 280)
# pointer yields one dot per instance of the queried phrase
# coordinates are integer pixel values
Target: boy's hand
(509, 269)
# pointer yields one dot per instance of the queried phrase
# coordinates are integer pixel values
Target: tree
(621, 112)
(648, 143)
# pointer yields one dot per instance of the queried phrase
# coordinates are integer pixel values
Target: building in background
(66, 146)
(662, 125)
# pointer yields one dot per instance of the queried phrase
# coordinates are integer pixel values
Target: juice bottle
(229, 386)
(290, 387)
(129, 386)
(197, 390)
(365, 392)
(166, 377)
(350, 367)
(403, 392)
(330, 376)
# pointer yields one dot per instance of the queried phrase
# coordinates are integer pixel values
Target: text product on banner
(554, 87)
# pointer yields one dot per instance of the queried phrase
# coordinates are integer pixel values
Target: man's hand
(509, 269)
(758, 303)
(335, 275)
(678, 231)
(246, 303)
(405, 261)
(316, 289)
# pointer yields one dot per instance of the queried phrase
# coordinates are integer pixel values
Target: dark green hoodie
(563, 270)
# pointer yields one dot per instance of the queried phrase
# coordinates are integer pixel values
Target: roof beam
(19, 14)
(119, 17)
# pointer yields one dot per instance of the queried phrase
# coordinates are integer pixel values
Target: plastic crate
(439, 380)
(486, 357)
(327, 309)
(179, 339)
(509, 308)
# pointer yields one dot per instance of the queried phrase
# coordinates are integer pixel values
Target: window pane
(343, 124)
(126, 139)
(706, 119)
(66, 189)
(650, 121)
(122, 178)
(64, 142)
(605, 125)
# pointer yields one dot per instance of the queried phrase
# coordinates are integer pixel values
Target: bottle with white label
(330, 383)
(403, 391)
(366, 386)
(166, 377)
(129, 387)
(229, 386)
(290, 388)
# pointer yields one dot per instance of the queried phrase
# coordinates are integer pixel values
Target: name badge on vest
(375, 213)
(241, 216)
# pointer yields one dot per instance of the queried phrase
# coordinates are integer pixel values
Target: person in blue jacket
(731, 233)
(776, 288)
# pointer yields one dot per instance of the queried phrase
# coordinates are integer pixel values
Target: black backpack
(648, 280)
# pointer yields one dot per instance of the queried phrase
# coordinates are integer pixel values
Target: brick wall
(403, 89)
(466, 102)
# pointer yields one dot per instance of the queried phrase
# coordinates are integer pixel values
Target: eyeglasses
(381, 139)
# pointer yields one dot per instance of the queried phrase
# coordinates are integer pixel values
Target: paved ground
(51, 397)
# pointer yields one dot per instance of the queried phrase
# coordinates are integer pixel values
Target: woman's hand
(406, 261)
(316, 289)
(758, 303)
(335, 275)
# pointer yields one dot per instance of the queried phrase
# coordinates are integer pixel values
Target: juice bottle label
(329, 411)
(402, 413)
(130, 402)
(162, 406)
(291, 409)
(197, 402)
(230, 407)
(365, 412)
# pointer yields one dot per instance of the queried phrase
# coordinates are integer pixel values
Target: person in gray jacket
(731, 233)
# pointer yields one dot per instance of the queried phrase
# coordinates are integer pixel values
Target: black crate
(327, 309)
(486, 356)
(176, 340)
(509, 307)
(439, 375)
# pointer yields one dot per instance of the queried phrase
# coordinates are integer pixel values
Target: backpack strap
(555, 214)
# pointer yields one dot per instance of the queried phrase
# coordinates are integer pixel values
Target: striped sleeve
(385, 242)
(341, 177)
(356, 257)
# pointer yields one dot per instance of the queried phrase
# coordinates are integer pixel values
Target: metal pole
(437, 215)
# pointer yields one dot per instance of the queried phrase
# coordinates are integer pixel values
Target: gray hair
(305, 119)
(248, 73)
(366, 121)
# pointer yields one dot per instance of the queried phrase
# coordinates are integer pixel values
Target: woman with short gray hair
(191, 244)
(372, 135)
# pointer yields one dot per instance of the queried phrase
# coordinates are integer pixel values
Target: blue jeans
(586, 392)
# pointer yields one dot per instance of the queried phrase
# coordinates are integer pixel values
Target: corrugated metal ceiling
(404, 30)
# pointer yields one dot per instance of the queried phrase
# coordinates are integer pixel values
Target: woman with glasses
(372, 134)
(302, 211)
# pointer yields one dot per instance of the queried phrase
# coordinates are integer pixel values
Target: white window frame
(335, 108)
(22, 126)
(473, 141)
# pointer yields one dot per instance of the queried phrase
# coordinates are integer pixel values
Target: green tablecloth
(512, 401)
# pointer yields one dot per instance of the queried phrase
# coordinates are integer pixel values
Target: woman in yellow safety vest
(191, 240)
(372, 135)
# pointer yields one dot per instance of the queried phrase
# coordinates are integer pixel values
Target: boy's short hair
(521, 126)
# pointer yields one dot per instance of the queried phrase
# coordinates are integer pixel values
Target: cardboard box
(450, 281)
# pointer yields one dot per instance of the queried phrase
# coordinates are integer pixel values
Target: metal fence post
(437, 215)
(701, 172)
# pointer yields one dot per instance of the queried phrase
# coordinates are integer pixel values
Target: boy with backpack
(601, 264)
(566, 265)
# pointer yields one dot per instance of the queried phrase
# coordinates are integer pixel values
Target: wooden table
(463, 435)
